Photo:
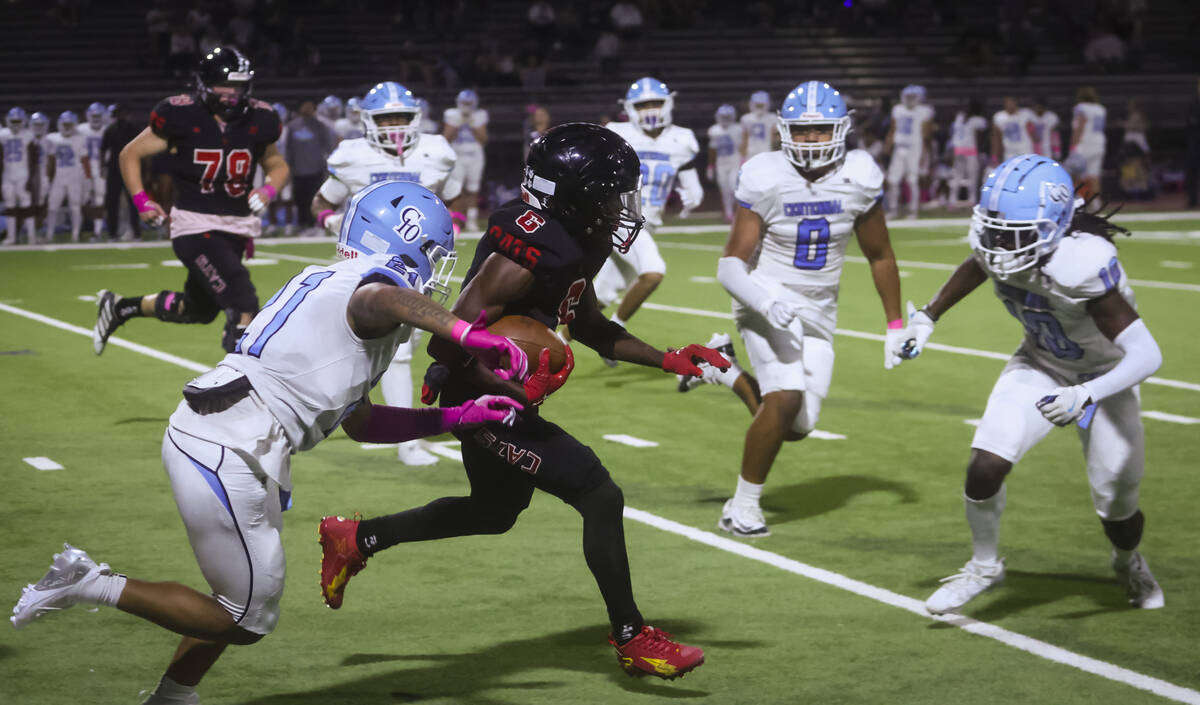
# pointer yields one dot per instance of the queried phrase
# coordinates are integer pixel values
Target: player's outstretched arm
(1141, 357)
(325, 211)
(961, 282)
(375, 423)
(733, 271)
(872, 232)
(377, 308)
(146, 144)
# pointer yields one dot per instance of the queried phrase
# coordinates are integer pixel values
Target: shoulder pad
(530, 237)
(167, 116)
(861, 168)
(1085, 265)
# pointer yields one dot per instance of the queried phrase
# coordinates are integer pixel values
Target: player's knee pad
(806, 418)
(1116, 498)
(1126, 533)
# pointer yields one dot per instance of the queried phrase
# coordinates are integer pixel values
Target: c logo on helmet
(1059, 193)
(409, 228)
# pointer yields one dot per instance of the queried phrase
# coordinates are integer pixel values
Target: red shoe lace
(659, 642)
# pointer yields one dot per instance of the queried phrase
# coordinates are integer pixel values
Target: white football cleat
(412, 454)
(960, 588)
(59, 588)
(742, 520)
(1139, 583)
(106, 319)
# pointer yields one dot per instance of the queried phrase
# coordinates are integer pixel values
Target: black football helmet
(228, 67)
(589, 177)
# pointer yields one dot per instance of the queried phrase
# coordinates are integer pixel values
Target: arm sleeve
(334, 191)
(734, 275)
(690, 190)
(1142, 359)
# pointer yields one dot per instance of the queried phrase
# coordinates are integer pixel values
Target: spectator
(158, 26)
(542, 22)
(210, 40)
(537, 125)
(309, 143)
(182, 54)
(1104, 50)
(608, 55)
(626, 19)
(118, 134)
(199, 19)
(1192, 156)
(1136, 126)
(533, 71)
(244, 29)
(1134, 170)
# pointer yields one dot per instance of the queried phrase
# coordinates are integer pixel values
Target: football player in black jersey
(537, 259)
(215, 136)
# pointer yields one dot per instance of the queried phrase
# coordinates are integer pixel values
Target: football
(532, 336)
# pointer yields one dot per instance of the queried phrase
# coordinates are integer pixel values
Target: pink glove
(488, 408)
(490, 349)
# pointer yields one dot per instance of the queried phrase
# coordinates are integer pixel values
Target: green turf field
(517, 619)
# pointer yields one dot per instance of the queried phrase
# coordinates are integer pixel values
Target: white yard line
(1170, 418)
(631, 441)
(1030, 645)
(41, 462)
(1019, 641)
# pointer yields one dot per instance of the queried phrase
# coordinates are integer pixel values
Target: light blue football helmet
(814, 104)
(16, 118)
(646, 90)
(391, 98)
(726, 115)
(281, 110)
(406, 220)
(67, 122)
(760, 102)
(467, 100)
(96, 114)
(40, 124)
(912, 94)
(330, 108)
(354, 108)
(1025, 208)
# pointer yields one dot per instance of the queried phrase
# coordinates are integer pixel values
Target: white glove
(917, 332)
(894, 343)
(258, 200)
(779, 313)
(334, 223)
(1065, 405)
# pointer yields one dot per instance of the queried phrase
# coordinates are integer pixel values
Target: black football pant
(217, 281)
(504, 466)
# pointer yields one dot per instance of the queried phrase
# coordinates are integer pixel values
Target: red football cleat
(340, 559)
(653, 652)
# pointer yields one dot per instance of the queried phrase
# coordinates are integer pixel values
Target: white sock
(10, 225)
(170, 691)
(103, 590)
(76, 222)
(1123, 557)
(617, 319)
(51, 222)
(983, 516)
(472, 214)
(748, 493)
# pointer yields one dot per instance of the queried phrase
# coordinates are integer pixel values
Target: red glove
(542, 383)
(683, 362)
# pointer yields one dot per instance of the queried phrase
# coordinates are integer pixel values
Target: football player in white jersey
(15, 139)
(350, 126)
(907, 141)
(1087, 139)
(330, 111)
(1043, 129)
(429, 126)
(69, 169)
(667, 152)
(465, 127)
(1011, 131)
(393, 148)
(797, 209)
(758, 126)
(93, 194)
(39, 126)
(725, 155)
(964, 140)
(227, 447)
(1084, 354)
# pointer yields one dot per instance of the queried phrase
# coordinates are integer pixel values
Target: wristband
(896, 324)
(460, 330)
(140, 199)
(323, 216)
(269, 190)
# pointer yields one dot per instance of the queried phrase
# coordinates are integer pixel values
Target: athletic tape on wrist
(140, 201)
(896, 324)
